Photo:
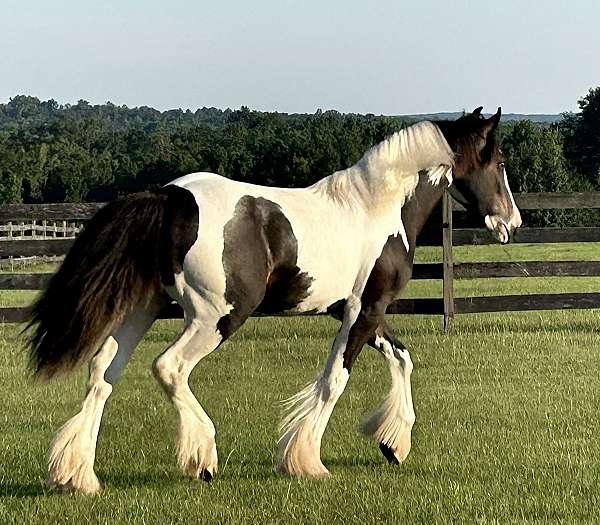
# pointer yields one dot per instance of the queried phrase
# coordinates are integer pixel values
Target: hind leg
(209, 321)
(195, 441)
(72, 454)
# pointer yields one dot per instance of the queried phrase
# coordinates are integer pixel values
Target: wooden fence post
(448, 287)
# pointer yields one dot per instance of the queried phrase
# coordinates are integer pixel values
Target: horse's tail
(121, 259)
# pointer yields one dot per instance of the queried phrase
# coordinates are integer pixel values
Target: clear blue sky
(391, 57)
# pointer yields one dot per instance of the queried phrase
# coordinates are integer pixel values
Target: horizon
(193, 109)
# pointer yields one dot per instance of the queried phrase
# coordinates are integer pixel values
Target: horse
(223, 250)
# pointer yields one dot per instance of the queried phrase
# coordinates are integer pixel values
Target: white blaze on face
(503, 226)
(515, 219)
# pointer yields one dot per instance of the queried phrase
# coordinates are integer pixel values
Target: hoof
(388, 453)
(317, 471)
(201, 462)
(90, 488)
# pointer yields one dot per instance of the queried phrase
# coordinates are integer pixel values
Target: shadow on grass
(175, 480)
(355, 462)
(14, 489)
(121, 480)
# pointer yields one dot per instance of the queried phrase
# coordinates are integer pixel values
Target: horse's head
(479, 175)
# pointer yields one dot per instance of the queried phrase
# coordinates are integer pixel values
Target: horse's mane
(390, 167)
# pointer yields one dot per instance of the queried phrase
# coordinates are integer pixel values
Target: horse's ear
(494, 120)
(477, 111)
(490, 124)
(489, 128)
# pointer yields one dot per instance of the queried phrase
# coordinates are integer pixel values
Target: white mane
(389, 170)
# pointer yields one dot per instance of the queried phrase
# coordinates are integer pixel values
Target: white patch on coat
(200, 287)
(404, 237)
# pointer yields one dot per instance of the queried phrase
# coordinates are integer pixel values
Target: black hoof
(206, 476)
(388, 454)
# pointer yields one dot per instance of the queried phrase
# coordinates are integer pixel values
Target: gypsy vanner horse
(223, 249)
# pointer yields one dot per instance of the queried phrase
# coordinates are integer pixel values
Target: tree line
(70, 153)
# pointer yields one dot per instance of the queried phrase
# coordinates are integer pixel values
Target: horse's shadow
(120, 480)
(15, 489)
(139, 478)
(354, 462)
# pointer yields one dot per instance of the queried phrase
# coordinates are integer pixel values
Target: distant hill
(534, 117)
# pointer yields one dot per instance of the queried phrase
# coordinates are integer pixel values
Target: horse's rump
(123, 257)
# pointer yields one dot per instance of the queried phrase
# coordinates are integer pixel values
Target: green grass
(507, 427)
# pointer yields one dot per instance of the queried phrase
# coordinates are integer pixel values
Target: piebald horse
(223, 249)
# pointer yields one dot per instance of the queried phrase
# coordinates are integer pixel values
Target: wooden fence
(559, 301)
(447, 270)
(43, 229)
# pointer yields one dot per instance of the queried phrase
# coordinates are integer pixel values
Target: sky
(359, 56)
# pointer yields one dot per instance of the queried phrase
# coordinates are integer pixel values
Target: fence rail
(447, 270)
(33, 229)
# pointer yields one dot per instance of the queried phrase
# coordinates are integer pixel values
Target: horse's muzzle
(499, 228)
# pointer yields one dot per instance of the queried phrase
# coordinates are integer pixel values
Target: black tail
(121, 259)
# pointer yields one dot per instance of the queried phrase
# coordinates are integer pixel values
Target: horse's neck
(386, 175)
(418, 209)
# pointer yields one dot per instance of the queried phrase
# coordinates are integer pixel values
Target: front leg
(303, 428)
(391, 424)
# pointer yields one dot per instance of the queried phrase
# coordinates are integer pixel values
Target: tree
(51, 152)
(536, 163)
(581, 133)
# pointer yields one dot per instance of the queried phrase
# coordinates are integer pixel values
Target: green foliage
(68, 153)
(536, 163)
(53, 153)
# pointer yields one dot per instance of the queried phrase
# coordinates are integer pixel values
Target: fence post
(448, 288)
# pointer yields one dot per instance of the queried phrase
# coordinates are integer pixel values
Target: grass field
(506, 427)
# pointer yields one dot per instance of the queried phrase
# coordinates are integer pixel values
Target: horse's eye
(501, 165)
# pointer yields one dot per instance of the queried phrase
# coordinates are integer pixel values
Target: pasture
(506, 425)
